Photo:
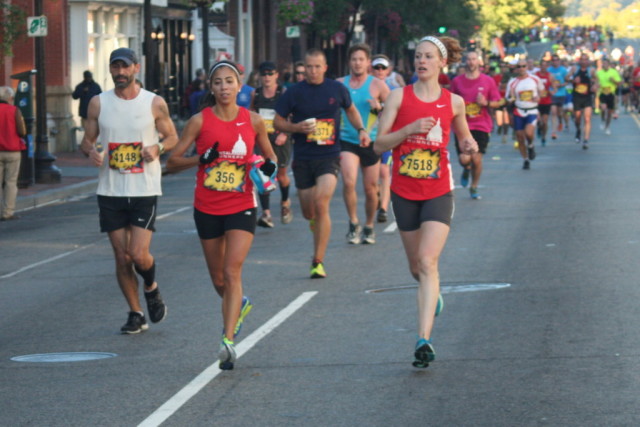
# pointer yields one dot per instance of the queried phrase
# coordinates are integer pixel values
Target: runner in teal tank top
(368, 94)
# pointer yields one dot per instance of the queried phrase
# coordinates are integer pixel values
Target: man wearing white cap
(123, 125)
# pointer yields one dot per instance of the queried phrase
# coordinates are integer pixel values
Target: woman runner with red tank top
(224, 206)
(416, 123)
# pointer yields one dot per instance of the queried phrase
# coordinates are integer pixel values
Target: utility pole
(46, 172)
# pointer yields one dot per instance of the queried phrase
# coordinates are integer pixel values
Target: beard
(123, 84)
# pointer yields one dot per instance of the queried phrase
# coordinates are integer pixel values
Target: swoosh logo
(240, 124)
(441, 106)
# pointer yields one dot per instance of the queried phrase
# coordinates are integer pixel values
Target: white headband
(223, 64)
(438, 43)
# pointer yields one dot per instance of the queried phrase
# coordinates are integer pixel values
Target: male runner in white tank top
(121, 138)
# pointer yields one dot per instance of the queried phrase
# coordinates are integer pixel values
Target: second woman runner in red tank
(224, 206)
(415, 123)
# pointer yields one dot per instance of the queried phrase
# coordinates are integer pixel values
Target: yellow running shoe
(317, 271)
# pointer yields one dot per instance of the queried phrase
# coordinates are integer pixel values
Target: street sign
(37, 26)
(292, 31)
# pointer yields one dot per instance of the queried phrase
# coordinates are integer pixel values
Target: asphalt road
(540, 280)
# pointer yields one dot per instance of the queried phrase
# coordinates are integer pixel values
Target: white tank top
(125, 127)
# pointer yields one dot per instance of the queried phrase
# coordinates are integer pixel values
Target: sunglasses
(299, 72)
(521, 66)
(379, 67)
(267, 73)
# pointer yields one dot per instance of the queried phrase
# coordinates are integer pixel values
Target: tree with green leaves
(13, 27)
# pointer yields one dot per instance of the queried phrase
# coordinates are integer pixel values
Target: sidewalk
(78, 177)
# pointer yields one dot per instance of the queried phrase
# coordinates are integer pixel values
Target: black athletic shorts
(482, 138)
(367, 156)
(214, 226)
(558, 101)
(410, 214)
(544, 109)
(580, 102)
(608, 99)
(121, 212)
(306, 172)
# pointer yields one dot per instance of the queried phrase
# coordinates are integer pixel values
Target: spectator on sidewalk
(11, 129)
(84, 91)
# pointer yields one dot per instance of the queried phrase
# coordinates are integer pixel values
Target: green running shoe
(246, 308)
(317, 271)
(424, 353)
(227, 354)
(440, 305)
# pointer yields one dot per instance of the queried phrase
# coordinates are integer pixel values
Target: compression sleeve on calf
(148, 276)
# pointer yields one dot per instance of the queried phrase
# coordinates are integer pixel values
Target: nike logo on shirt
(240, 124)
(441, 106)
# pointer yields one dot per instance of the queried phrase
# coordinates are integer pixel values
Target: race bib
(268, 115)
(126, 157)
(325, 133)
(582, 88)
(421, 164)
(606, 90)
(473, 109)
(526, 95)
(225, 176)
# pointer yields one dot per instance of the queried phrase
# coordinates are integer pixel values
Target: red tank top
(421, 167)
(9, 139)
(223, 187)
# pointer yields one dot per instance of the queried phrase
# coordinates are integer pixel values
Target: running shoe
(286, 216)
(155, 305)
(382, 215)
(544, 142)
(136, 323)
(353, 235)
(440, 305)
(607, 131)
(265, 220)
(317, 270)
(464, 179)
(244, 310)
(585, 145)
(424, 353)
(368, 236)
(532, 152)
(516, 145)
(227, 354)
(578, 136)
(473, 191)
(554, 136)
(526, 165)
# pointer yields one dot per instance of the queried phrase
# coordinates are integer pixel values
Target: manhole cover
(63, 357)
(446, 289)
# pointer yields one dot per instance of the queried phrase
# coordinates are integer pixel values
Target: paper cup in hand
(312, 122)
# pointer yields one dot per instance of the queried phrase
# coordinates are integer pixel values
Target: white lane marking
(57, 257)
(168, 214)
(391, 227)
(170, 407)
(45, 261)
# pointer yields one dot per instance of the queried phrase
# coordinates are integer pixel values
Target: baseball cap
(123, 54)
(380, 61)
(267, 66)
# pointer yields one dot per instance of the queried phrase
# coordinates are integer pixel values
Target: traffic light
(442, 30)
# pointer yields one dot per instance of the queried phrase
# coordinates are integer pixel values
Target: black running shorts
(410, 214)
(214, 226)
(121, 212)
(306, 172)
(580, 102)
(544, 109)
(367, 156)
(482, 138)
(608, 99)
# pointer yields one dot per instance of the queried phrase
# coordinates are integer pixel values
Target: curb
(56, 194)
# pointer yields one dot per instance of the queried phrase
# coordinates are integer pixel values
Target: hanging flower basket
(294, 12)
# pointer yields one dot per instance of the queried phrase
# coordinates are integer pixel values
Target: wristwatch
(160, 148)
(361, 129)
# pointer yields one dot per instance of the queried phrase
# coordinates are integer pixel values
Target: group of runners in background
(368, 121)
